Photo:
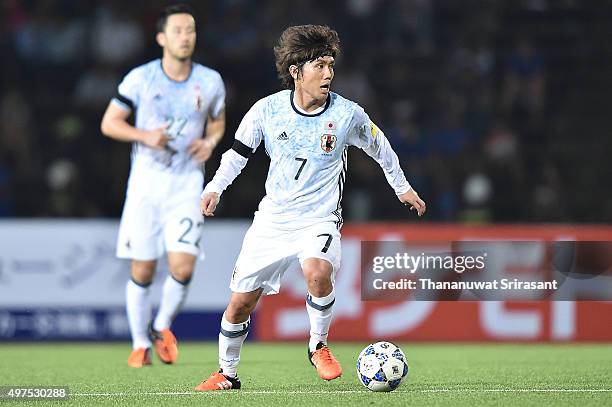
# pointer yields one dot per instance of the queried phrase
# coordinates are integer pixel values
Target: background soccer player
(175, 101)
(307, 130)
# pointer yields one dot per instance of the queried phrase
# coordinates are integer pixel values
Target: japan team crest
(328, 142)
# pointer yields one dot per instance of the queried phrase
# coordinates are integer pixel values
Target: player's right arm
(248, 137)
(209, 203)
(114, 125)
(114, 122)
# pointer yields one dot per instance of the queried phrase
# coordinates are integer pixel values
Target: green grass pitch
(278, 374)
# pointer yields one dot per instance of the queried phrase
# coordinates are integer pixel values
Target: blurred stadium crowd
(497, 109)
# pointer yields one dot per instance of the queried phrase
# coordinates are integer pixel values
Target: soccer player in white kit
(306, 130)
(175, 102)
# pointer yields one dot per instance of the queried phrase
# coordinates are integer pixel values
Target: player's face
(179, 37)
(316, 77)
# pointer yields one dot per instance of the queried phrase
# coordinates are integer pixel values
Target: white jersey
(183, 106)
(161, 211)
(308, 154)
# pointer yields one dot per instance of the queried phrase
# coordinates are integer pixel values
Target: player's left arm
(201, 149)
(412, 199)
(367, 136)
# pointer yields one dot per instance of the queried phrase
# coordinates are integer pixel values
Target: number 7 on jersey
(303, 160)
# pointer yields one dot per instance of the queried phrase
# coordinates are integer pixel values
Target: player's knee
(143, 272)
(318, 277)
(320, 289)
(142, 281)
(319, 283)
(182, 273)
(181, 266)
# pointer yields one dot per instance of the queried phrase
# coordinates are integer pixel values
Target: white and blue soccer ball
(382, 366)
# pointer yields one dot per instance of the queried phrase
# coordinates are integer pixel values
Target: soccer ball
(381, 366)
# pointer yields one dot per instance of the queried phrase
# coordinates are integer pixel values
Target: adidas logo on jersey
(283, 136)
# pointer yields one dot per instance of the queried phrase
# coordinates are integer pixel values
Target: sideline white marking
(192, 393)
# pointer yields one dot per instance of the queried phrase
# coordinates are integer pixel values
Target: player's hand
(157, 139)
(209, 203)
(412, 199)
(201, 149)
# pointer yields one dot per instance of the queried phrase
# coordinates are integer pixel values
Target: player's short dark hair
(303, 43)
(180, 8)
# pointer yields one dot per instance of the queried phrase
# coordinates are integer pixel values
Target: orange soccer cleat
(165, 345)
(140, 357)
(219, 381)
(327, 366)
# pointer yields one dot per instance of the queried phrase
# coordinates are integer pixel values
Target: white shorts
(161, 213)
(269, 251)
(148, 228)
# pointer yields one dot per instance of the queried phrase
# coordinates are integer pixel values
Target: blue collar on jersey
(172, 80)
(327, 103)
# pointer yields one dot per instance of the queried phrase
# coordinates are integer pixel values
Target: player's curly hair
(303, 43)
